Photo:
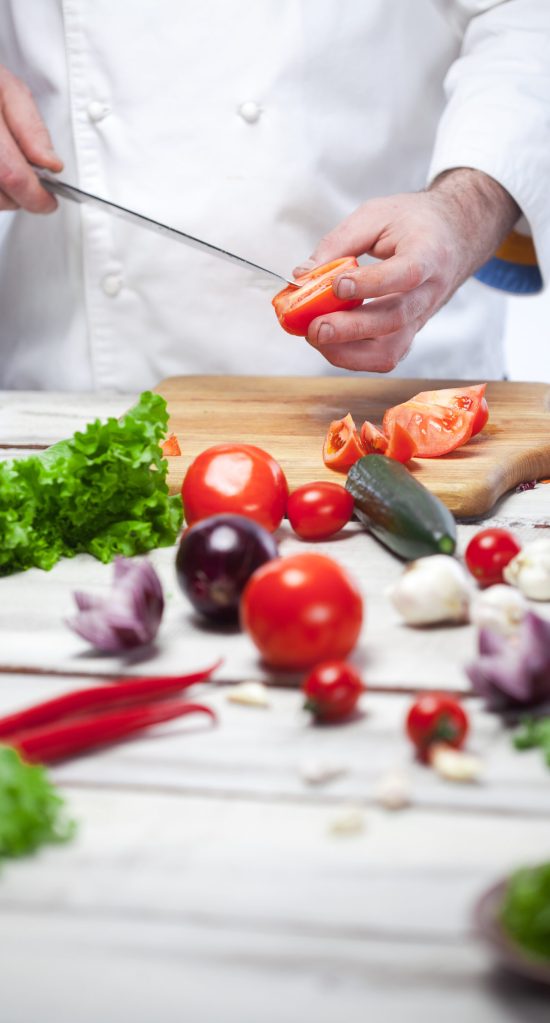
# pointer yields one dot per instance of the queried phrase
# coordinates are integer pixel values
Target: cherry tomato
(332, 690)
(301, 610)
(471, 399)
(318, 510)
(488, 553)
(342, 445)
(238, 479)
(436, 718)
(298, 305)
(435, 429)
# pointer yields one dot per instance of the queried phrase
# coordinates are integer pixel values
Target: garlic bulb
(501, 608)
(530, 570)
(431, 590)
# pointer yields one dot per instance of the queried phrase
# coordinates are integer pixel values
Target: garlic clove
(530, 570)
(249, 694)
(432, 590)
(393, 791)
(349, 821)
(499, 608)
(456, 765)
(319, 772)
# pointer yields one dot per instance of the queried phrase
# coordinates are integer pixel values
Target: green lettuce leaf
(525, 911)
(102, 492)
(31, 809)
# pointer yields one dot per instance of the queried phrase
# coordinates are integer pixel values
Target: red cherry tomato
(318, 510)
(488, 553)
(471, 399)
(342, 445)
(301, 610)
(332, 690)
(434, 429)
(298, 305)
(238, 479)
(434, 719)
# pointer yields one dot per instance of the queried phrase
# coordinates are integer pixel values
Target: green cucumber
(398, 510)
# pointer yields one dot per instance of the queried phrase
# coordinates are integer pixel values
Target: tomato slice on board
(298, 305)
(400, 445)
(342, 445)
(435, 429)
(171, 446)
(373, 440)
(471, 399)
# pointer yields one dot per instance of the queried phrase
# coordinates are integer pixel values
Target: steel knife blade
(66, 191)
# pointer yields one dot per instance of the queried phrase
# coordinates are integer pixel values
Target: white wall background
(528, 338)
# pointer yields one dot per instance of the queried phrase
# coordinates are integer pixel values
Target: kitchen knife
(57, 187)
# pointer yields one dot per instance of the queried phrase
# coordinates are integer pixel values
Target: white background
(528, 338)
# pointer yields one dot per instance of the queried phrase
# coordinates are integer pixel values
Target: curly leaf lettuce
(31, 809)
(102, 492)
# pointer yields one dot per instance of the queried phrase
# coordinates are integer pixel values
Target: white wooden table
(205, 883)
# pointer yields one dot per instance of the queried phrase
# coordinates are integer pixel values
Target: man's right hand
(24, 139)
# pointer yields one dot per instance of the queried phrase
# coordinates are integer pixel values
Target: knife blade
(66, 191)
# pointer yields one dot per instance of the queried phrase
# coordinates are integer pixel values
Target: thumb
(355, 236)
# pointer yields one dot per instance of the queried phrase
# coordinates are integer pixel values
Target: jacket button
(111, 284)
(97, 110)
(250, 111)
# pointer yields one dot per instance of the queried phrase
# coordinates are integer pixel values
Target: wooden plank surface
(289, 416)
(206, 881)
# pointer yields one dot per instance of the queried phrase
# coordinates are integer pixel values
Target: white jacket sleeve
(497, 120)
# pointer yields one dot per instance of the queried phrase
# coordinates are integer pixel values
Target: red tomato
(436, 718)
(298, 305)
(471, 399)
(488, 553)
(434, 429)
(342, 445)
(399, 445)
(301, 610)
(238, 479)
(373, 440)
(318, 510)
(332, 690)
(171, 446)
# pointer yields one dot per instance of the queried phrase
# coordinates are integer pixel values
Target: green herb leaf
(103, 492)
(31, 809)
(525, 913)
(534, 732)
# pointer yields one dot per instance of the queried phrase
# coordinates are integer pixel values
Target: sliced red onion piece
(129, 616)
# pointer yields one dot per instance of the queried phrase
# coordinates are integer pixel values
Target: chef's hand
(24, 139)
(429, 243)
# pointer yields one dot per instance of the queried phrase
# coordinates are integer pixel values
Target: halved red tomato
(399, 445)
(342, 445)
(298, 305)
(471, 399)
(435, 429)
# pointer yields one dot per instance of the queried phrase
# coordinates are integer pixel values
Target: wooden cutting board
(289, 417)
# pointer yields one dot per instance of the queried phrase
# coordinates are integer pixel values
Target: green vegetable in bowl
(31, 810)
(103, 492)
(525, 913)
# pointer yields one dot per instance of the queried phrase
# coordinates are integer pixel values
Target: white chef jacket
(257, 126)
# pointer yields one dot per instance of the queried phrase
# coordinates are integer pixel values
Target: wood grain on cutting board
(289, 417)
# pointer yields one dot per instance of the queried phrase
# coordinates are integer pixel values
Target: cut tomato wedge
(401, 445)
(434, 429)
(171, 445)
(471, 399)
(342, 446)
(372, 439)
(298, 305)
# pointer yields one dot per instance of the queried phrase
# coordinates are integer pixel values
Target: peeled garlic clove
(349, 821)
(530, 570)
(393, 791)
(250, 694)
(319, 772)
(499, 608)
(432, 590)
(455, 765)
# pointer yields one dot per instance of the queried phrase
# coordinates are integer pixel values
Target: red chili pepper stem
(46, 745)
(124, 692)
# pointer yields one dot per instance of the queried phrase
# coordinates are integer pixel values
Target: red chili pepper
(124, 692)
(57, 742)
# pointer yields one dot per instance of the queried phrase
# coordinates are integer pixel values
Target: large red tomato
(312, 295)
(238, 479)
(301, 610)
